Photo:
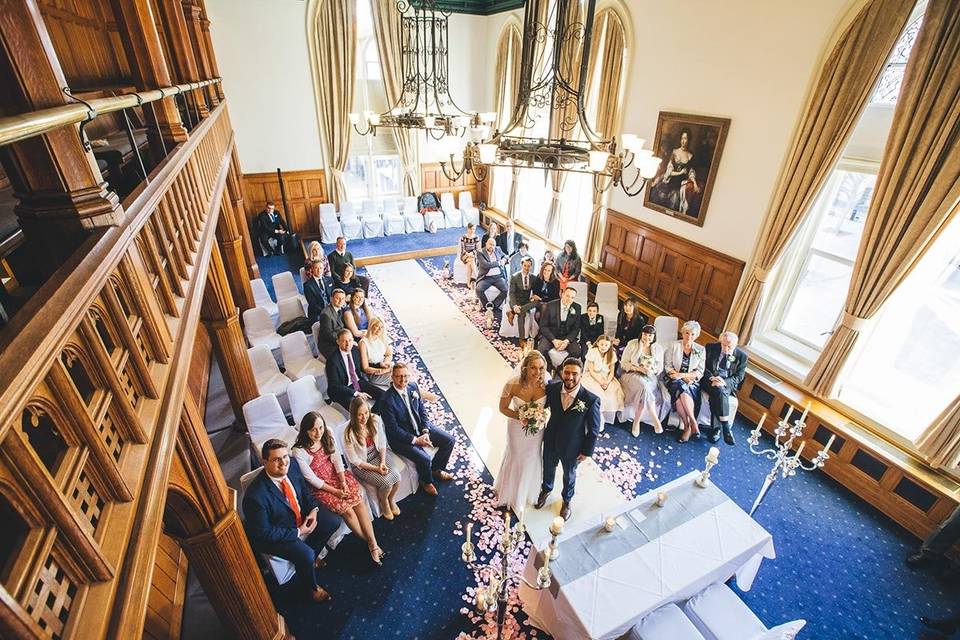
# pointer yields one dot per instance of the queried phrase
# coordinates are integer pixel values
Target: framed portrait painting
(689, 147)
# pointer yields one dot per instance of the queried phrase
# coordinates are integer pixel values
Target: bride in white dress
(521, 471)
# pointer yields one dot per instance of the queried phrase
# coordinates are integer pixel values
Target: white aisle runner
(470, 373)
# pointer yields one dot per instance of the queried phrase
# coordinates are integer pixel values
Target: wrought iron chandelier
(554, 67)
(425, 101)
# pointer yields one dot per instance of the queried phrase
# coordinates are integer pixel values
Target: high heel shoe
(386, 512)
(376, 554)
(635, 430)
(685, 435)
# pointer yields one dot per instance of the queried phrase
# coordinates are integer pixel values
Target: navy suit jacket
(316, 296)
(338, 378)
(268, 517)
(571, 433)
(396, 420)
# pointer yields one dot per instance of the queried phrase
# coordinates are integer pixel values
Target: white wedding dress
(521, 472)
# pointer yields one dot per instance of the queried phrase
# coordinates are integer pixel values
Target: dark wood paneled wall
(432, 179)
(167, 589)
(85, 36)
(199, 375)
(306, 191)
(689, 280)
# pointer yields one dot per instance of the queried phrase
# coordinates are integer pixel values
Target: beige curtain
(608, 101)
(507, 74)
(839, 96)
(940, 443)
(917, 189)
(386, 27)
(336, 49)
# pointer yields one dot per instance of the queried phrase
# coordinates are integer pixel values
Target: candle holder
(496, 594)
(785, 465)
(711, 459)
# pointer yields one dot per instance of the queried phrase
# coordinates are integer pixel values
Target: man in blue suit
(409, 430)
(315, 291)
(283, 519)
(571, 431)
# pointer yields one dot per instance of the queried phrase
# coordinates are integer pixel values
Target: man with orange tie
(283, 519)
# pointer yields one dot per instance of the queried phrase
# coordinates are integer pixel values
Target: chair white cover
(490, 294)
(666, 623)
(266, 372)
(290, 309)
(452, 216)
(298, 360)
(435, 217)
(370, 217)
(470, 212)
(606, 298)
(512, 329)
(285, 287)
(265, 420)
(411, 215)
(719, 614)
(557, 357)
(349, 222)
(306, 395)
(704, 415)
(581, 297)
(330, 227)
(459, 270)
(261, 297)
(283, 570)
(668, 329)
(259, 328)
(303, 275)
(393, 222)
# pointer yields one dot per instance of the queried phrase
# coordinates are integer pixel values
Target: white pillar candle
(760, 424)
(469, 531)
(713, 455)
(506, 521)
(522, 514)
(556, 527)
(789, 413)
(830, 442)
(799, 449)
(803, 416)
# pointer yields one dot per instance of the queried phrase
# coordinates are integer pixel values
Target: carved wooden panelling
(688, 280)
(85, 37)
(306, 191)
(433, 180)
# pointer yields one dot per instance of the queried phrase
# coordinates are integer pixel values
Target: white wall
(261, 48)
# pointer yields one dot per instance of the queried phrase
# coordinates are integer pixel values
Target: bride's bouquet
(647, 362)
(533, 418)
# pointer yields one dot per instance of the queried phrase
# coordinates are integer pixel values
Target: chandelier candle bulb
(598, 160)
(374, 119)
(354, 118)
(629, 141)
(488, 153)
(649, 166)
(429, 121)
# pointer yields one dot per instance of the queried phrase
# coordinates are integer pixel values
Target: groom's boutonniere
(415, 395)
(580, 406)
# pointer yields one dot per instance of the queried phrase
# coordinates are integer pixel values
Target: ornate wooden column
(183, 62)
(61, 193)
(235, 189)
(208, 47)
(193, 14)
(231, 246)
(221, 555)
(222, 318)
(148, 66)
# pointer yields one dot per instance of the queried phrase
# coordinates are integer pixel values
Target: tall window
(374, 168)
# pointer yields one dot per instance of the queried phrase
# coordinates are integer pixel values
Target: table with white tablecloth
(605, 582)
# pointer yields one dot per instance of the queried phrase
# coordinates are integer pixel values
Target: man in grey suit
(522, 298)
(560, 326)
(489, 269)
(331, 323)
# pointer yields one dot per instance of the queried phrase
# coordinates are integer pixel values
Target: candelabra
(785, 465)
(495, 595)
(711, 459)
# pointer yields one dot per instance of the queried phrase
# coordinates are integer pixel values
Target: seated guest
(629, 323)
(560, 327)
(347, 280)
(522, 298)
(315, 252)
(345, 379)
(322, 467)
(723, 372)
(548, 256)
(569, 264)
(339, 258)
(509, 240)
(409, 430)
(492, 231)
(331, 323)
(683, 363)
(600, 367)
(640, 370)
(283, 519)
(490, 262)
(523, 250)
(547, 286)
(591, 326)
(315, 291)
(376, 354)
(365, 445)
(357, 315)
(274, 235)
(469, 244)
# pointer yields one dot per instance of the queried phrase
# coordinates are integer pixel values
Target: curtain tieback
(852, 322)
(760, 275)
(557, 194)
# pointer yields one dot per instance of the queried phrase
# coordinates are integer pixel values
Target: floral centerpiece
(533, 418)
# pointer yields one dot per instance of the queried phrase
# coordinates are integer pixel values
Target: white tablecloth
(605, 603)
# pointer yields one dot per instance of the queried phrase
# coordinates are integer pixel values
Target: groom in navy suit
(571, 431)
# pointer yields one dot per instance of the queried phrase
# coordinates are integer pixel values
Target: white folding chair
(393, 222)
(261, 297)
(470, 212)
(606, 298)
(266, 372)
(330, 228)
(349, 222)
(411, 215)
(285, 287)
(307, 395)
(452, 216)
(298, 360)
(719, 614)
(668, 329)
(259, 328)
(371, 221)
(283, 570)
(665, 623)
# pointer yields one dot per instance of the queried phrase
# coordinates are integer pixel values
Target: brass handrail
(27, 125)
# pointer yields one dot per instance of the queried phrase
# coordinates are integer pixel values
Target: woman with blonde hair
(600, 366)
(683, 365)
(365, 445)
(521, 471)
(376, 354)
(315, 253)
